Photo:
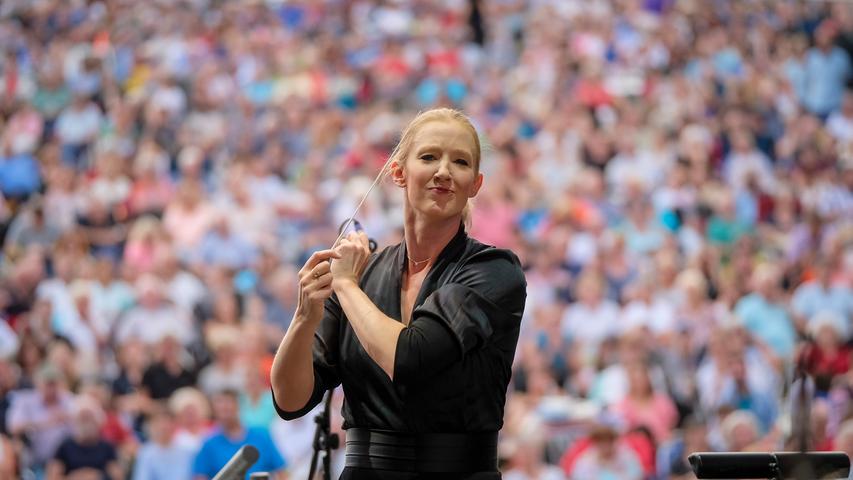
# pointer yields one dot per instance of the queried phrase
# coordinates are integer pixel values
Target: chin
(437, 213)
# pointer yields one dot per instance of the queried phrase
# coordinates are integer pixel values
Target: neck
(233, 430)
(425, 239)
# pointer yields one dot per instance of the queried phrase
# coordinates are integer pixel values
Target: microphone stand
(324, 440)
(801, 418)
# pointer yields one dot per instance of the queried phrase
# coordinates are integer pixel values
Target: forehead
(445, 134)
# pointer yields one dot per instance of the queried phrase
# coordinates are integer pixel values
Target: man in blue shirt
(764, 315)
(827, 69)
(229, 437)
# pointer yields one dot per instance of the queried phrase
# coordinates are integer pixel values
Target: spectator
(223, 247)
(154, 317)
(85, 452)
(593, 318)
(740, 430)
(191, 410)
(227, 372)
(256, 407)
(634, 144)
(828, 69)
(76, 128)
(606, 458)
(42, 417)
(642, 406)
(763, 314)
(822, 294)
(160, 458)
(31, 228)
(229, 436)
(827, 356)
(169, 371)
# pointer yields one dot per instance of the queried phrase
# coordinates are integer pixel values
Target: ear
(398, 174)
(475, 187)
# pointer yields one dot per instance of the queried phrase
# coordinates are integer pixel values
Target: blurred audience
(675, 177)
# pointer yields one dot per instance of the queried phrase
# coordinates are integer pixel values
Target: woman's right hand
(315, 285)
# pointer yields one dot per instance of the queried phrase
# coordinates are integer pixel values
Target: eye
(462, 161)
(427, 156)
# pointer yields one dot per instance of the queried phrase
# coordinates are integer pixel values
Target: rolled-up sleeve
(482, 304)
(325, 360)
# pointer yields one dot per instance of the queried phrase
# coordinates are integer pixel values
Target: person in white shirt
(745, 160)
(42, 415)
(154, 317)
(592, 318)
(840, 123)
(657, 315)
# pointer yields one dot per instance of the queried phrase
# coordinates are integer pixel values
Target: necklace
(416, 263)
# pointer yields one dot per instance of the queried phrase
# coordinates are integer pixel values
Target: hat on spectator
(826, 318)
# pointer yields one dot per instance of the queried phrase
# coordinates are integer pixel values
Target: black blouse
(453, 362)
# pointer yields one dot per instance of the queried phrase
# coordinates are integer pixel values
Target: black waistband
(424, 452)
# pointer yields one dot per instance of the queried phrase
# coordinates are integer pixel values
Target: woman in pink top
(643, 407)
(188, 216)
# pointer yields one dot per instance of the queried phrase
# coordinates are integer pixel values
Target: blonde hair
(404, 146)
(186, 396)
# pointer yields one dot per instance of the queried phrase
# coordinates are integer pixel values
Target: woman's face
(439, 173)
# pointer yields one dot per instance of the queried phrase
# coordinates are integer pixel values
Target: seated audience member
(827, 356)
(42, 417)
(645, 407)
(85, 453)
(606, 458)
(192, 417)
(229, 436)
(169, 372)
(161, 458)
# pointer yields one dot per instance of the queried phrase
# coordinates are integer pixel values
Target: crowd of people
(675, 176)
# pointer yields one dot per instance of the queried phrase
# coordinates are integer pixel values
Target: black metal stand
(324, 440)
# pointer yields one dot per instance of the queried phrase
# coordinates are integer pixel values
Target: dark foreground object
(778, 465)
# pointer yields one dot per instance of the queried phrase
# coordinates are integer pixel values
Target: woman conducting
(421, 335)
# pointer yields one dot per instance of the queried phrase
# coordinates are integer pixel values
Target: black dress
(452, 363)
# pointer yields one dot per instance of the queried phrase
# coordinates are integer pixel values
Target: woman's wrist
(342, 283)
(304, 317)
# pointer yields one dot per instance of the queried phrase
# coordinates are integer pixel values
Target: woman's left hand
(354, 251)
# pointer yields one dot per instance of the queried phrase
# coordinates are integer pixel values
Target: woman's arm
(377, 332)
(454, 319)
(292, 374)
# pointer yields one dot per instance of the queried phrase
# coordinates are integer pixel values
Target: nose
(443, 171)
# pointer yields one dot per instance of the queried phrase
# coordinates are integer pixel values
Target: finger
(318, 282)
(321, 268)
(323, 293)
(365, 242)
(318, 257)
(324, 281)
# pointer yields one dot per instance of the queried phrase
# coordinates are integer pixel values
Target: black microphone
(236, 468)
(778, 465)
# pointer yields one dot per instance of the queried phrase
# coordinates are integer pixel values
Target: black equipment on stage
(324, 440)
(778, 465)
